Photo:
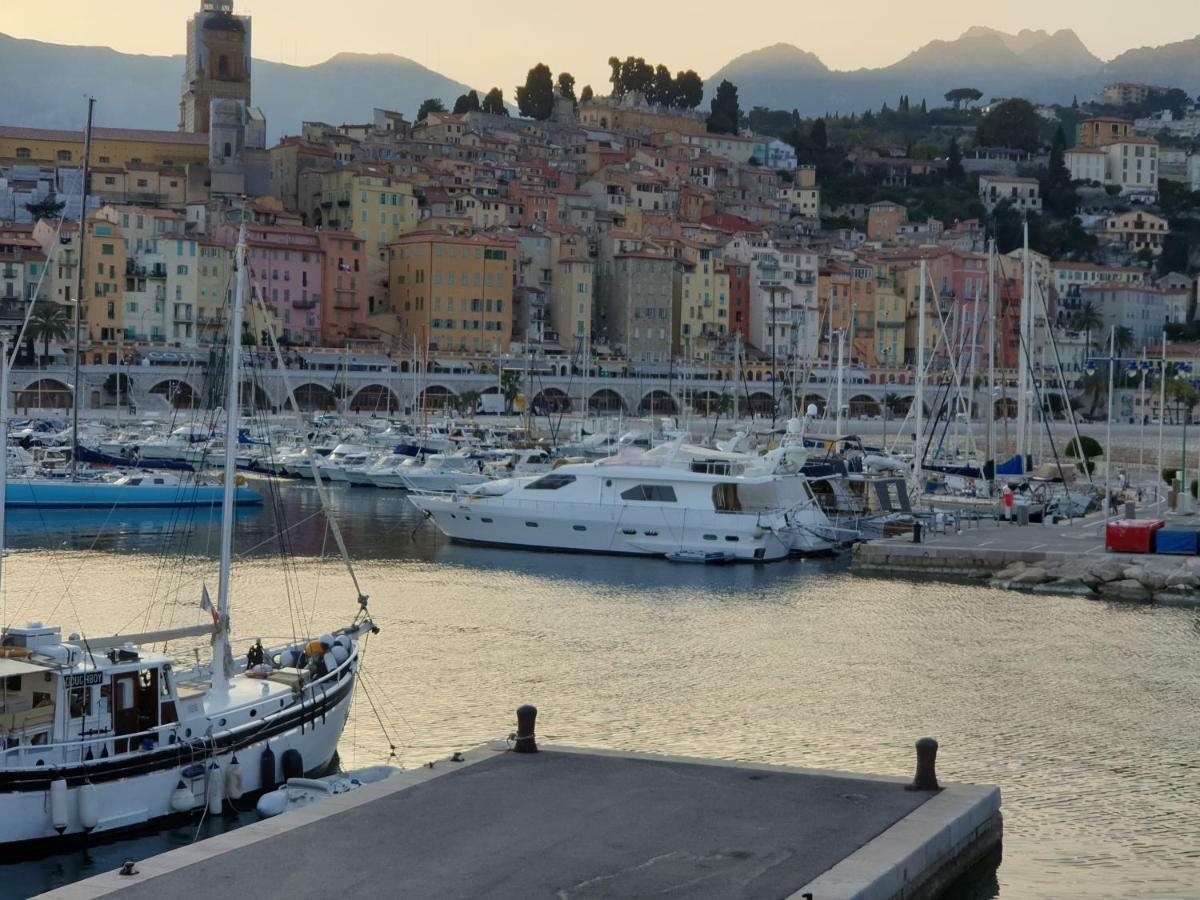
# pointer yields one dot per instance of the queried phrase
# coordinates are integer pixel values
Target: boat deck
(582, 823)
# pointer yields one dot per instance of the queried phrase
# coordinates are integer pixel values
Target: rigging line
(312, 457)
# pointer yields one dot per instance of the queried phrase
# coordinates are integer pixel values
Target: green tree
(468, 102)
(566, 85)
(433, 104)
(1087, 319)
(535, 98)
(1007, 227)
(689, 89)
(586, 94)
(954, 166)
(662, 89)
(510, 388)
(1176, 254)
(615, 78)
(1122, 339)
(117, 383)
(493, 103)
(1012, 123)
(722, 406)
(467, 403)
(959, 96)
(724, 111)
(49, 322)
(637, 75)
(819, 135)
(47, 208)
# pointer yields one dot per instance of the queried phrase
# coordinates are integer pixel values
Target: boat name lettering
(88, 678)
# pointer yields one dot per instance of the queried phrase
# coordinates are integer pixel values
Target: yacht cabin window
(725, 498)
(551, 482)
(654, 493)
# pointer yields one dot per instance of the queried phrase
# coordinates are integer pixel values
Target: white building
(781, 155)
(1087, 164)
(1021, 193)
(784, 317)
(1133, 166)
(1193, 168)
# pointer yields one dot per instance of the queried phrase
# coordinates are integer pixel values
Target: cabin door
(125, 707)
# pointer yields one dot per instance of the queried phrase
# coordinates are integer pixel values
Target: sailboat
(105, 734)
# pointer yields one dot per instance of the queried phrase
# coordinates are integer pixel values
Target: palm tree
(1122, 339)
(468, 403)
(49, 322)
(1087, 320)
(723, 405)
(510, 387)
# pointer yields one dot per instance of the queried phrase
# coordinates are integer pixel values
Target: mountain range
(1043, 67)
(44, 84)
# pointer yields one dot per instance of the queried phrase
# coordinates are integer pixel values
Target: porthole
(710, 537)
(221, 723)
(732, 538)
(579, 527)
(628, 531)
(486, 520)
(187, 732)
(650, 533)
(531, 525)
(252, 713)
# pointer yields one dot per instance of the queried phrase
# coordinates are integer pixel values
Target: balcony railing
(157, 271)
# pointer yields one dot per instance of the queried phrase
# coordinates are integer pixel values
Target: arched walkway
(706, 402)
(762, 403)
(551, 400)
(178, 393)
(374, 398)
(313, 397)
(657, 403)
(812, 400)
(1006, 408)
(254, 397)
(438, 397)
(606, 402)
(45, 393)
(863, 406)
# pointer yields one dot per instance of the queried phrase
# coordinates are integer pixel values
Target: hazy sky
(485, 43)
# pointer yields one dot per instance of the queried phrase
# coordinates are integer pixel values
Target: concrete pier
(575, 823)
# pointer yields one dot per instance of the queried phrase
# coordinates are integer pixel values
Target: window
(551, 482)
(23, 153)
(654, 493)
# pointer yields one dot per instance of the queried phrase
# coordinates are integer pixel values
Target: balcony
(158, 270)
(12, 313)
(311, 303)
(8, 272)
(345, 303)
(132, 268)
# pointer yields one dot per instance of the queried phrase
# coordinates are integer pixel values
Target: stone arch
(606, 401)
(404, 365)
(254, 396)
(706, 402)
(552, 399)
(437, 396)
(1006, 408)
(313, 397)
(374, 398)
(45, 393)
(178, 393)
(658, 403)
(813, 400)
(863, 406)
(762, 403)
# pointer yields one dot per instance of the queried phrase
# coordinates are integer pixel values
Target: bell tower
(218, 63)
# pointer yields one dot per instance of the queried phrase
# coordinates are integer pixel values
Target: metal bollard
(916, 533)
(526, 721)
(926, 777)
(1130, 509)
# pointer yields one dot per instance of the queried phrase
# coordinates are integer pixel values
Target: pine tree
(724, 110)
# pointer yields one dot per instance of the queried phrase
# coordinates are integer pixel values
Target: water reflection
(1085, 713)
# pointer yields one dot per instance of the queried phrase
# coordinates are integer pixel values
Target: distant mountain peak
(781, 54)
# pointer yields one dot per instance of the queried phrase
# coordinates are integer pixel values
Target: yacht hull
(102, 495)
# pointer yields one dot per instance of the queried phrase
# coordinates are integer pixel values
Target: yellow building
(572, 289)
(104, 291)
(114, 147)
(363, 199)
(701, 301)
(450, 292)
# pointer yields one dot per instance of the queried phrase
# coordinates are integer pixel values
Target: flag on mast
(207, 605)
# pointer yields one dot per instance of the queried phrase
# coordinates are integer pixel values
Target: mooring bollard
(916, 532)
(926, 777)
(526, 721)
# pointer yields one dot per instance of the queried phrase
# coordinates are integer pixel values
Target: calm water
(1085, 713)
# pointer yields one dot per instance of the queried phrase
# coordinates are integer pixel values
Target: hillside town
(627, 233)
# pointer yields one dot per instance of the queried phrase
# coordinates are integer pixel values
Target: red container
(1131, 535)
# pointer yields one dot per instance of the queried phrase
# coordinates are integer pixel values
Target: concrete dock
(575, 823)
(1067, 557)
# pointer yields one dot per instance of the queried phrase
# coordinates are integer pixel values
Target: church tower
(218, 63)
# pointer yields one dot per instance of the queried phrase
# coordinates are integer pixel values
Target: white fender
(182, 800)
(340, 653)
(89, 811)
(216, 790)
(330, 661)
(58, 805)
(234, 785)
(272, 803)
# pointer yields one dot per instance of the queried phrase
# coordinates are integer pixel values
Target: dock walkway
(573, 823)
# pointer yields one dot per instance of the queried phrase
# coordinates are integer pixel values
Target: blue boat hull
(102, 495)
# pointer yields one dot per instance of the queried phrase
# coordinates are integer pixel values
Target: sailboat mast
(919, 399)
(1022, 349)
(79, 276)
(233, 385)
(991, 330)
(3, 465)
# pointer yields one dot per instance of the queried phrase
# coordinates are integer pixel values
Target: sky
(483, 42)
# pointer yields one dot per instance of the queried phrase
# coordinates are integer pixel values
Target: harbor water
(1085, 713)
